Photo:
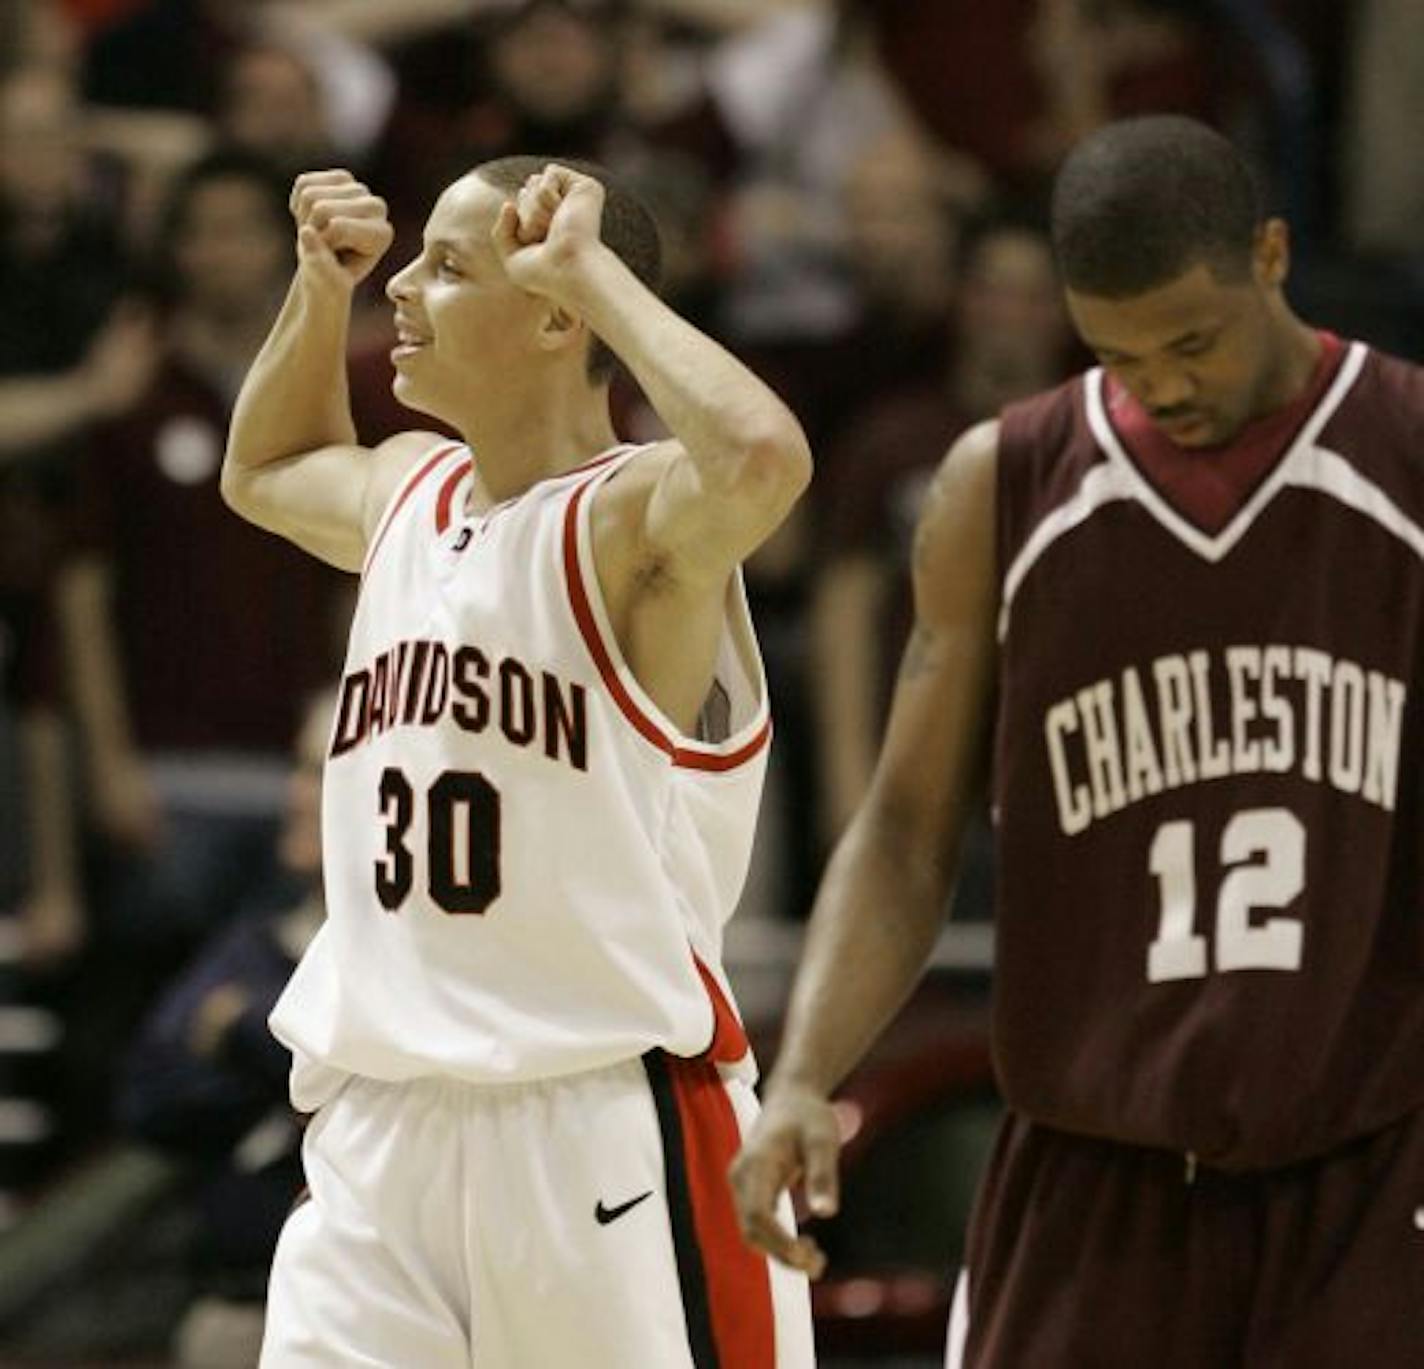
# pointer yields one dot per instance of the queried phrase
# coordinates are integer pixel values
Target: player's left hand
(548, 228)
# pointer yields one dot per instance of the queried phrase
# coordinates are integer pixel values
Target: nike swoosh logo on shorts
(603, 1215)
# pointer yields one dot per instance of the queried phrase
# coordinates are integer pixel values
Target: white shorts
(583, 1221)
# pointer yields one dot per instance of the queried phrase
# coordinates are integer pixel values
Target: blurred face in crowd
(231, 252)
(556, 62)
(901, 228)
(273, 107)
(41, 156)
(1202, 353)
(1011, 306)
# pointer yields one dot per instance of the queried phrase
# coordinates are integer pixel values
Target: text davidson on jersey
(419, 683)
(1287, 709)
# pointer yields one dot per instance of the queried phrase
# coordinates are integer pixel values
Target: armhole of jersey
(421, 468)
(647, 719)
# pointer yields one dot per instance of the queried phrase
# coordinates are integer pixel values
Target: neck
(1297, 357)
(519, 439)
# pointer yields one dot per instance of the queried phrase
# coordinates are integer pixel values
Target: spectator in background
(528, 76)
(271, 105)
(1013, 84)
(69, 356)
(207, 1081)
(578, 78)
(188, 634)
(905, 204)
(1010, 339)
(803, 97)
(1383, 201)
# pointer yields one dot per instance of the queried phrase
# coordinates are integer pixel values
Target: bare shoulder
(956, 528)
(391, 461)
(634, 481)
(620, 503)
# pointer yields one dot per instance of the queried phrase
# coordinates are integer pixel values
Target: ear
(1272, 253)
(559, 329)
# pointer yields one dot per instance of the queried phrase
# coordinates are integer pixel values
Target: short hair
(628, 228)
(1144, 200)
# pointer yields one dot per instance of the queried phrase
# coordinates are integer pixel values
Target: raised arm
(739, 458)
(293, 465)
(885, 892)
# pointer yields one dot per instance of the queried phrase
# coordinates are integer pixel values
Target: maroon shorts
(1085, 1254)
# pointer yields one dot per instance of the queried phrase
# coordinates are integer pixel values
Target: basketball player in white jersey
(514, 1033)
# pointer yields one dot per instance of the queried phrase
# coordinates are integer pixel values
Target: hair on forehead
(1143, 201)
(628, 227)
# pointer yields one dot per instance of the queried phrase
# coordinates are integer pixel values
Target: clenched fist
(543, 232)
(343, 230)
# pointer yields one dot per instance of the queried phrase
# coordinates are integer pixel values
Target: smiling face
(1199, 353)
(460, 324)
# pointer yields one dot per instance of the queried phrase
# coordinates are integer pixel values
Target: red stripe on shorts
(738, 1281)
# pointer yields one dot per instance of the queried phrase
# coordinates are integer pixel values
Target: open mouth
(408, 340)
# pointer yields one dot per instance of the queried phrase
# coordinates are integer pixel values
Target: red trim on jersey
(447, 495)
(729, 1039)
(738, 1280)
(594, 462)
(405, 494)
(650, 729)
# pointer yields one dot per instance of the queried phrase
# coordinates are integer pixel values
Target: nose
(1165, 385)
(398, 288)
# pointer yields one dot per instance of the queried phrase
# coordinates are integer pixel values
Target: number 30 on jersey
(462, 841)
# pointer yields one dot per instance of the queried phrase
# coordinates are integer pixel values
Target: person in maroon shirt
(1008, 339)
(1169, 617)
(191, 638)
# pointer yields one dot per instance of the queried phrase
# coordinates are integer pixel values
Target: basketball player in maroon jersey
(1171, 616)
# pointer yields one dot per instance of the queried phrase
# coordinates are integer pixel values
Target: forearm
(295, 397)
(54, 860)
(728, 16)
(381, 24)
(880, 909)
(35, 410)
(726, 418)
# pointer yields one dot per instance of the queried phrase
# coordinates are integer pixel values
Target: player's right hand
(343, 230)
(795, 1140)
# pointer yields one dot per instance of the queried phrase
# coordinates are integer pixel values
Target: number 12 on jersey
(1264, 849)
(462, 841)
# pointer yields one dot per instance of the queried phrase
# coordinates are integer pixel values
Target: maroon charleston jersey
(1209, 780)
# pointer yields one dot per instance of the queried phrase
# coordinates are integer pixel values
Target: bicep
(710, 520)
(326, 501)
(934, 756)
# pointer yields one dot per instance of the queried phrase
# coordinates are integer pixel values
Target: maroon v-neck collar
(1208, 487)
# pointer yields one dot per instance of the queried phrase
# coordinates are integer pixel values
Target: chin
(408, 394)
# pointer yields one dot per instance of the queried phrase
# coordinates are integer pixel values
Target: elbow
(234, 487)
(776, 462)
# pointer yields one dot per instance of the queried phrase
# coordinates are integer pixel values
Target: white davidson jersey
(528, 867)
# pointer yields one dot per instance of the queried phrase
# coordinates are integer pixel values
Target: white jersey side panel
(527, 866)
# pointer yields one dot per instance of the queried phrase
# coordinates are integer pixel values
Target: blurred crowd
(852, 196)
